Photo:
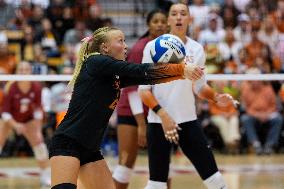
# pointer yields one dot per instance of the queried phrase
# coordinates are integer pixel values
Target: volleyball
(167, 48)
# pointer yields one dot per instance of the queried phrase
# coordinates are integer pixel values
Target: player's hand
(224, 100)
(142, 140)
(193, 72)
(169, 126)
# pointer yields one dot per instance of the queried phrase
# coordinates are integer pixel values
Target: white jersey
(177, 96)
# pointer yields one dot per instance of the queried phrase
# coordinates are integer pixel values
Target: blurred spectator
(199, 12)
(280, 51)
(229, 13)
(241, 4)
(281, 93)
(65, 23)
(54, 11)
(214, 2)
(229, 50)
(269, 34)
(212, 34)
(279, 16)
(7, 59)
(255, 17)
(74, 36)
(27, 45)
(61, 17)
(18, 22)
(243, 29)
(216, 9)
(35, 19)
(259, 102)
(18, 3)
(241, 61)
(258, 53)
(7, 12)
(26, 9)
(95, 21)
(48, 38)
(108, 22)
(210, 38)
(22, 112)
(226, 118)
(32, 52)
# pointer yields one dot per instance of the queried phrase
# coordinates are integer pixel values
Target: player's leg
(159, 150)
(193, 143)
(64, 172)
(5, 129)
(96, 175)
(128, 147)
(35, 138)
(64, 161)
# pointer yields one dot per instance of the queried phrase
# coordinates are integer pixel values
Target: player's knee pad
(156, 185)
(41, 152)
(215, 181)
(64, 186)
(122, 174)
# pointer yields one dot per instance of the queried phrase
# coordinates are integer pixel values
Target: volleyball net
(209, 77)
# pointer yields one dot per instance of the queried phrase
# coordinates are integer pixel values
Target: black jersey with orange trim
(97, 91)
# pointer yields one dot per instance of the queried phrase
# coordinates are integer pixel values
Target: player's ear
(104, 48)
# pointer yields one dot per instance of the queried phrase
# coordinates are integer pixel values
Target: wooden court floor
(240, 172)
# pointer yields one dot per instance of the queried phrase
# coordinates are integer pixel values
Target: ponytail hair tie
(87, 39)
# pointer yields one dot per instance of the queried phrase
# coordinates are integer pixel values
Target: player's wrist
(157, 108)
(215, 98)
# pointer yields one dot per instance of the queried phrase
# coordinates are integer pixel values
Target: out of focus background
(239, 37)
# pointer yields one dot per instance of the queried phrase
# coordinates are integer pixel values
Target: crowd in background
(239, 36)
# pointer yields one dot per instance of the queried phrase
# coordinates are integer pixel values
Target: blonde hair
(90, 46)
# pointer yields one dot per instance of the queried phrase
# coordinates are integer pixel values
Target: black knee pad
(64, 186)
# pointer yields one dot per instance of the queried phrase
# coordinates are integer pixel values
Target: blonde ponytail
(79, 63)
(90, 46)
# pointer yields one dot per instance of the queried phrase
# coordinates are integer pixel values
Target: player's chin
(123, 58)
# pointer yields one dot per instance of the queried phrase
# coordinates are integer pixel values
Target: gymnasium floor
(241, 172)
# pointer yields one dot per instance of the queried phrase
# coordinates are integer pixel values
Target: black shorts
(62, 145)
(128, 120)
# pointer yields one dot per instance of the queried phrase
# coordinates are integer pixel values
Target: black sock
(64, 186)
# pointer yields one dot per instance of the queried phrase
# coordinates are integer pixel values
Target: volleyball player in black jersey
(99, 74)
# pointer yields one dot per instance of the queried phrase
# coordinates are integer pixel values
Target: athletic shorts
(128, 120)
(62, 145)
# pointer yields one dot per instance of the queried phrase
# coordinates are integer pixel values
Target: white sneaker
(45, 178)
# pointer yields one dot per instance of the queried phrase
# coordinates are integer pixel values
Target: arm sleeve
(134, 74)
(148, 98)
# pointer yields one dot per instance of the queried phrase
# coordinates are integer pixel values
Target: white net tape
(237, 77)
